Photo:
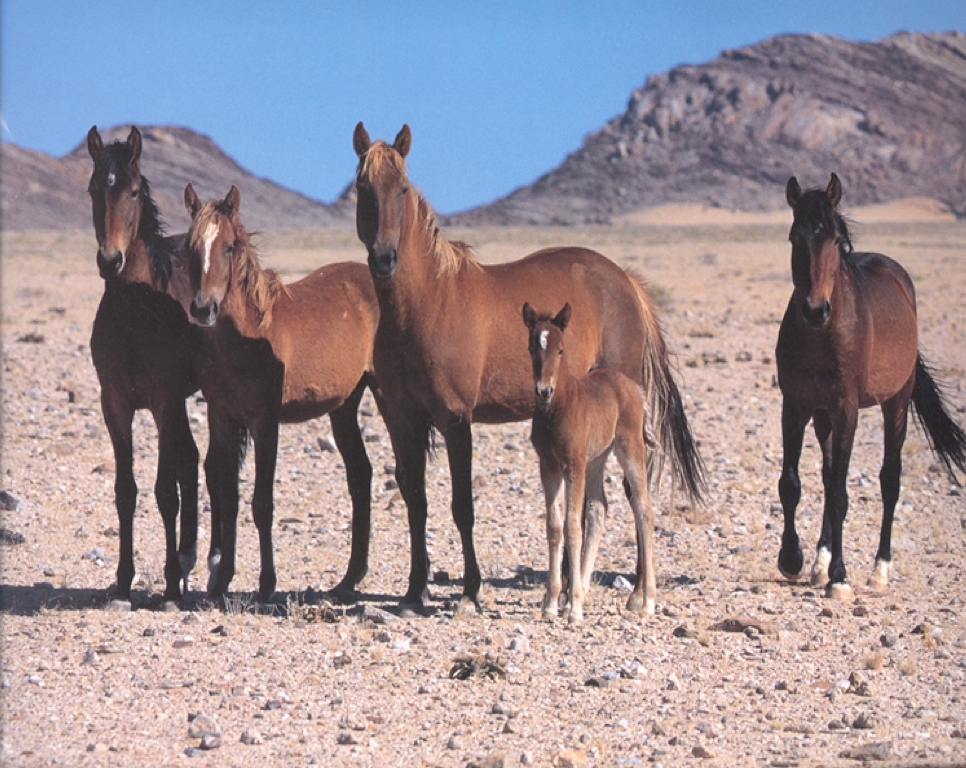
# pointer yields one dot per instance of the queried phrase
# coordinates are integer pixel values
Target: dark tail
(945, 437)
(666, 406)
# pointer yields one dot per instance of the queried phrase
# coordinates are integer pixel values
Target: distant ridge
(888, 117)
(42, 192)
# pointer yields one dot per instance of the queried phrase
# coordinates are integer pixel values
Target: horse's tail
(945, 436)
(666, 406)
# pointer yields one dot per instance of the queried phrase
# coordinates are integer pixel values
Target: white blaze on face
(211, 232)
(543, 339)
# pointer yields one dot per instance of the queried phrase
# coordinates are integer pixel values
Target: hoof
(575, 617)
(820, 569)
(639, 604)
(840, 591)
(170, 606)
(344, 595)
(119, 606)
(791, 567)
(468, 607)
(879, 580)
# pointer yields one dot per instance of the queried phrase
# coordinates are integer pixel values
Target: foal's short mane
(260, 287)
(116, 158)
(451, 255)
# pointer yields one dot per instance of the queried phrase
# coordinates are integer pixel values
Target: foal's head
(819, 238)
(383, 193)
(546, 350)
(119, 198)
(214, 235)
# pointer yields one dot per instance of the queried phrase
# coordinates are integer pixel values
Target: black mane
(814, 208)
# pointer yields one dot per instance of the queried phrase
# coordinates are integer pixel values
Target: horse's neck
(140, 267)
(239, 302)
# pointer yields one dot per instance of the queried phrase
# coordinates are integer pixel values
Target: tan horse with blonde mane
(450, 349)
(275, 354)
(577, 424)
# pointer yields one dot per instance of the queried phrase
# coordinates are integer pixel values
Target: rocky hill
(42, 192)
(889, 117)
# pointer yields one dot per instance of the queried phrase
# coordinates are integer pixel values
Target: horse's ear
(529, 316)
(834, 191)
(233, 202)
(404, 140)
(134, 144)
(563, 317)
(94, 144)
(360, 139)
(191, 201)
(793, 192)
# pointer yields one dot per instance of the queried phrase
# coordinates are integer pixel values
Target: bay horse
(143, 349)
(577, 424)
(273, 354)
(450, 350)
(848, 340)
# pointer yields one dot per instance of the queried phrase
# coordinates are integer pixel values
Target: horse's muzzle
(816, 316)
(204, 314)
(544, 394)
(110, 266)
(382, 263)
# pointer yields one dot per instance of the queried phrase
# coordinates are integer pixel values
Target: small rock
(377, 615)
(526, 758)
(877, 751)
(11, 538)
(701, 751)
(221, 630)
(520, 644)
(193, 752)
(90, 657)
(570, 758)
(888, 640)
(98, 748)
(860, 611)
(863, 722)
(348, 737)
(148, 632)
(210, 741)
(9, 503)
(251, 737)
(836, 725)
(326, 446)
(453, 743)
(622, 585)
(183, 642)
(203, 725)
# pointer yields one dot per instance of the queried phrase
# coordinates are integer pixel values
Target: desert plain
(738, 666)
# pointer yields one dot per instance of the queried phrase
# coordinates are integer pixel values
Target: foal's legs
(895, 421)
(552, 479)
(574, 482)
(358, 469)
(118, 415)
(459, 451)
(595, 512)
(794, 421)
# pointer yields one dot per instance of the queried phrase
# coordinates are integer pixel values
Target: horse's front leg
(263, 502)
(188, 485)
(221, 467)
(552, 479)
(794, 421)
(172, 421)
(358, 468)
(843, 435)
(823, 551)
(118, 415)
(410, 441)
(459, 451)
(574, 482)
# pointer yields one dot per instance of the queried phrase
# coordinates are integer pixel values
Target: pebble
(702, 751)
(570, 758)
(211, 741)
(9, 502)
(202, 725)
(251, 737)
(888, 640)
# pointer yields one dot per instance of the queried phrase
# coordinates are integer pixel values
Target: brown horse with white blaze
(577, 424)
(848, 340)
(143, 348)
(450, 349)
(275, 353)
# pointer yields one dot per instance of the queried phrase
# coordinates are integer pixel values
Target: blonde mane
(260, 287)
(450, 256)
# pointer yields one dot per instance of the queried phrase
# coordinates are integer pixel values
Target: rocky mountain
(42, 192)
(888, 117)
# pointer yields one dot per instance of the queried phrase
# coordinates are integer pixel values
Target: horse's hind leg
(188, 485)
(170, 444)
(644, 596)
(118, 416)
(348, 439)
(221, 468)
(263, 503)
(843, 436)
(823, 552)
(794, 421)
(895, 414)
(459, 450)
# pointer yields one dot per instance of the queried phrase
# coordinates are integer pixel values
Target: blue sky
(496, 93)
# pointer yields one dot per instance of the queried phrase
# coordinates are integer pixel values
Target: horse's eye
(559, 352)
(403, 191)
(229, 249)
(134, 193)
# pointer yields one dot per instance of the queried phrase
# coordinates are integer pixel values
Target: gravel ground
(738, 667)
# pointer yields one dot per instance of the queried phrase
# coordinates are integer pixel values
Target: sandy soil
(808, 681)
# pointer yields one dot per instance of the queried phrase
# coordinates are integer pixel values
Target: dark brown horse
(450, 349)
(849, 340)
(144, 351)
(275, 353)
(577, 424)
